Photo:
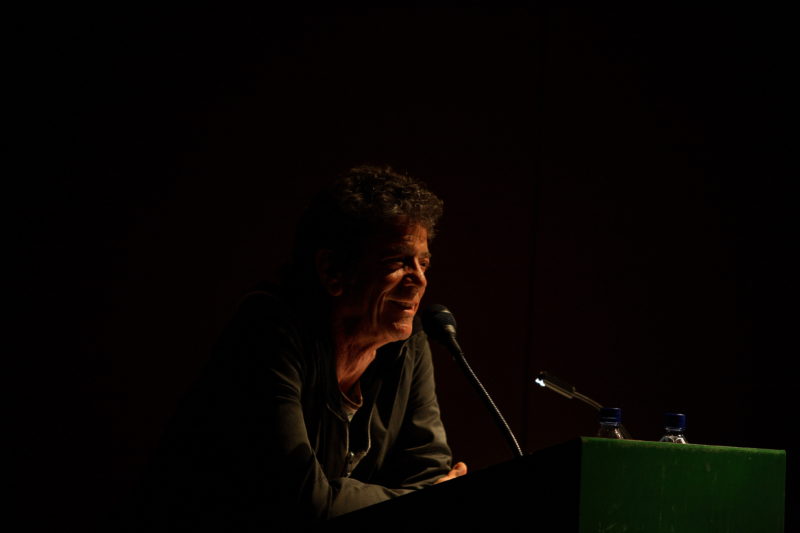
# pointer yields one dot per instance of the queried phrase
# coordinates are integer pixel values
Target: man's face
(379, 303)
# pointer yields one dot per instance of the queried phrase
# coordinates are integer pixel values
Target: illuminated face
(378, 304)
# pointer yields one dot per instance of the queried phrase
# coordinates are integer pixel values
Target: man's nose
(416, 273)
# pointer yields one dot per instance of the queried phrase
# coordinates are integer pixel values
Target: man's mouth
(405, 306)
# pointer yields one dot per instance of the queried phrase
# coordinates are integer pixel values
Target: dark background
(619, 211)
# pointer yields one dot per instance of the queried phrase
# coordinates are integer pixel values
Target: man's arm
(421, 456)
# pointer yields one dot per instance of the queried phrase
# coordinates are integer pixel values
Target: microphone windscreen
(435, 321)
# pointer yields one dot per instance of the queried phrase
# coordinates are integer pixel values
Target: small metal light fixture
(568, 391)
(563, 388)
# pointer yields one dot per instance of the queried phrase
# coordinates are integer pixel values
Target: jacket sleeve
(421, 454)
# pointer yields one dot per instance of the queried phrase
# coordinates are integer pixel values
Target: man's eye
(401, 262)
(394, 264)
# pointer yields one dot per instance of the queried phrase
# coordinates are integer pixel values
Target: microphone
(440, 325)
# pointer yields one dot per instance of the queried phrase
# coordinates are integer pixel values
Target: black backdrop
(618, 211)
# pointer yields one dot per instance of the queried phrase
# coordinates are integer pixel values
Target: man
(320, 399)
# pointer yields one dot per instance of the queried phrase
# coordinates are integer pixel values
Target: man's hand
(459, 469)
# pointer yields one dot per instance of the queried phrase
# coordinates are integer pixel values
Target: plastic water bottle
(610, 419)
(674, 427)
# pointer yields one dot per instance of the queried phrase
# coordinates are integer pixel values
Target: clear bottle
(610, 419)
(674, 428)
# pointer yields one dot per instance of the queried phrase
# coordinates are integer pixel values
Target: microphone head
(438, 322)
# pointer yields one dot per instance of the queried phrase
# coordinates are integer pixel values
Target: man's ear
(329, 274)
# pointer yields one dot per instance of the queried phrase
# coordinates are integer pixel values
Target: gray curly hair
(356, 206)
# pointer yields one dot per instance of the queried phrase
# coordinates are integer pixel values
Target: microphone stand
(439, 324)
(458, 355)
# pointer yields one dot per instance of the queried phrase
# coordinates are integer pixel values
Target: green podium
(600, 485)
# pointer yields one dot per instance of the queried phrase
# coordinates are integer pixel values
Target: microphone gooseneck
(440, 325)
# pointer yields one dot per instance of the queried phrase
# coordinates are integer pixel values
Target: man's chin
(402, 330)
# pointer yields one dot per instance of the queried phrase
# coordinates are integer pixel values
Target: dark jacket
(263, 440)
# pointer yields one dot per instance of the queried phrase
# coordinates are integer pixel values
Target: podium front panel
(591, 485)
(629, 485)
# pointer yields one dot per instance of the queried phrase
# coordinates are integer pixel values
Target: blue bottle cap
(610, 415)
(674, 421)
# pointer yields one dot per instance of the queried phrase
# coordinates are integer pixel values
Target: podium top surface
(680, 448)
